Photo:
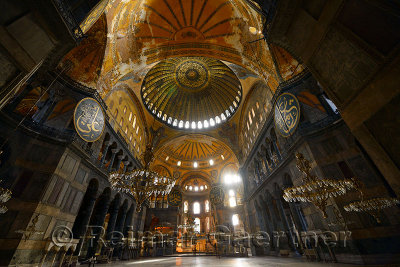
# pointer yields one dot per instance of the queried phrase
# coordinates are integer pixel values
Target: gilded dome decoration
(191, 92)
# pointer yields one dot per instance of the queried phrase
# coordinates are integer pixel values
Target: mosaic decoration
(89, 119)
(175, 198)
(93, 16)
(191, 92)
(287, 114)
(217, 195)
(176, 174)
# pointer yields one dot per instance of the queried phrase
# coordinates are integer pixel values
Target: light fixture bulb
(252, 30)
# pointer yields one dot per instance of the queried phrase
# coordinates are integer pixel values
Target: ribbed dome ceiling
(191, 92)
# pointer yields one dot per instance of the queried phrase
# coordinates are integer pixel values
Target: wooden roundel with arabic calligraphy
(89, 119)
(287, 114)
(175, 198)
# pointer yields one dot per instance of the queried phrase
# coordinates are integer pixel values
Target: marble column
(82, 219)
(103, 157)
(97, 220)
(288, 229)
(114, 207)
(128, 220)
(56, 250)
(118, 165)
(114, 154)
(260, 218)
(267, 218)
(278, 153)
(62, 258)
(270, 153)
(119, 225)
(126, 164)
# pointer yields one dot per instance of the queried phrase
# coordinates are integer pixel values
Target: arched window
(130, 116)
(208, 224)
(124, 109)
(116, 113)
(232, 198)
(250, 120)
(134, 122)
(252, 112)
(207, 206)
(121, 122)
(197, 224)
(185, 207)
(196, 208)
(235, 219)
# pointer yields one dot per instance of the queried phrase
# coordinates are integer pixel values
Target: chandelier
(5, 195)
(142, 183)
(371, 206)
(315, 190)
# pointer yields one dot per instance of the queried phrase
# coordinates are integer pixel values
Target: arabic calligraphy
(89, 119)
(287, 114)
(175, 198)
(217, 195)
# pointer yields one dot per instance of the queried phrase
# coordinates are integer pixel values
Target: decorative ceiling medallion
(191, 92)
(89, 119)
(192, 75)
(287, 114)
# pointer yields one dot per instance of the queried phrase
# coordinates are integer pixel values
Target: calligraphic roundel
(89, 119)
(287, 114)
(217, 195)
(175, 198)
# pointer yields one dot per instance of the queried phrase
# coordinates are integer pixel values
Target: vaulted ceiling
(137, 42)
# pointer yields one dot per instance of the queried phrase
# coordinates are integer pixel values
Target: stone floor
(211, 261)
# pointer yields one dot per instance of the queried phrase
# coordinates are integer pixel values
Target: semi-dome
(191, 92)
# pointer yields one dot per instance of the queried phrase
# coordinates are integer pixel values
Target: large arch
(358, 71)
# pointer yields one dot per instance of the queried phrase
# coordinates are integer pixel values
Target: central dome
(191, 92)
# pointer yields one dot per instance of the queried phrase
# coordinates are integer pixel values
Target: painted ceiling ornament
(175, 197)
(176, 174)
(217, 195)
(287, 114)
(89, 119)
(191, 92)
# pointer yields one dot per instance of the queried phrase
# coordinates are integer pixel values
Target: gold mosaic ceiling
(191, 92)
(133, 36)
(192, 148)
